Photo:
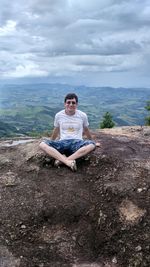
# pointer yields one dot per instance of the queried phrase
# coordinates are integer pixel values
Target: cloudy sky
(91, 42)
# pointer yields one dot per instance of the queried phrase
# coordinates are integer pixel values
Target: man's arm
(87, 133)
(55, 133)
(89, 136)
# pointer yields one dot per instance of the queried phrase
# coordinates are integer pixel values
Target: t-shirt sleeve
(85, 120)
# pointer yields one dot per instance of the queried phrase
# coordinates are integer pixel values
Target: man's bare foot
(57, 162)
(72, 165)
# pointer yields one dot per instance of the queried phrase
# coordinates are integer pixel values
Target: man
(70, 124)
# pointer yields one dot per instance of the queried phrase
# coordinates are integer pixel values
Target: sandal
(73, 166)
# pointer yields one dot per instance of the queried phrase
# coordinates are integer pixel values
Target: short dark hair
(71, 96)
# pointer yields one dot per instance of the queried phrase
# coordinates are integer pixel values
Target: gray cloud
(72, 38)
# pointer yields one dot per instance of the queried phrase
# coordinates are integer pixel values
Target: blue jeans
(68, 146)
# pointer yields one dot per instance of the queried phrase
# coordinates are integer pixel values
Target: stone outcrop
(98, 216)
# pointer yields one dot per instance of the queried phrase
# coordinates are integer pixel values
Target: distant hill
(30, 108)
(6, 130)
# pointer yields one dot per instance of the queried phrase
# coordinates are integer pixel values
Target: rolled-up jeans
(68, 146)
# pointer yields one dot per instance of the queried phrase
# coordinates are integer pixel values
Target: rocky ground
(96, 217)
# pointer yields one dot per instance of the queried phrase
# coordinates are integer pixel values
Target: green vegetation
(7, 130)
(147, 119)
(107, 121)
(29, 109)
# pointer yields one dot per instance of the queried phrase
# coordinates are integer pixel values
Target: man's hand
(98, 144)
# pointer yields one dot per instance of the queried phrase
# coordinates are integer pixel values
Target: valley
(29, 109)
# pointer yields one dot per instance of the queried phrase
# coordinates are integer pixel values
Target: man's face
(70, 106)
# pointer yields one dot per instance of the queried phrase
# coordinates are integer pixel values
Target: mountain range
(29, 109)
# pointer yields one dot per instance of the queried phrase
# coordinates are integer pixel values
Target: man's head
(71, 101)
(71, 96)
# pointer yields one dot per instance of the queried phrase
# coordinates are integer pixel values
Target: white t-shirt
(71, 126)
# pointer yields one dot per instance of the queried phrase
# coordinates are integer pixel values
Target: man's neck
(70, 113)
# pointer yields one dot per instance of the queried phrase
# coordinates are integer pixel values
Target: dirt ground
(96, 217)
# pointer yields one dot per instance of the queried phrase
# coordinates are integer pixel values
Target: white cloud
(74, 38)
(8, 29)
(29, 70)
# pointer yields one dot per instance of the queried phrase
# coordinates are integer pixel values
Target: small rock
(139, 190)
(138, 248)
(23, 226)
(74, 238)
(114, 260)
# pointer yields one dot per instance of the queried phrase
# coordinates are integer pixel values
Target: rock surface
(96, 217)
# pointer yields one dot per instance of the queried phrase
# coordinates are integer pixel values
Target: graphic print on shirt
(71, 128)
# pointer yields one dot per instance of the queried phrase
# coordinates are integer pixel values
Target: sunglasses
(71, 102)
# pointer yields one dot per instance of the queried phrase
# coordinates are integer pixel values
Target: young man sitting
(69, 126)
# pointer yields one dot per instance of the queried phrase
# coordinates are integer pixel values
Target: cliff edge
(96, 217)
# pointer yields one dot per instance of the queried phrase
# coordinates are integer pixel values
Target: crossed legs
(67, 160)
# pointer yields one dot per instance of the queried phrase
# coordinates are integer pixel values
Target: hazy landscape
(29, 109)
